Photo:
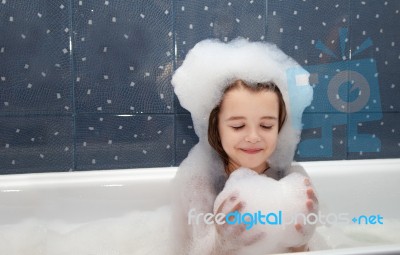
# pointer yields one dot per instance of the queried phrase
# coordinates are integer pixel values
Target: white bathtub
(356, 187)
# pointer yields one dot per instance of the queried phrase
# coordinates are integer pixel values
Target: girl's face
(248, 127)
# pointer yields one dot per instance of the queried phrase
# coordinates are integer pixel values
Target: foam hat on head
(211, 65)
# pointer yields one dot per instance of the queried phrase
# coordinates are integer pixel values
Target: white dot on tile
(65, 51)
(120, 127)
(7, 145)
(142, 16)
(126, 36)
(11, 19)
(144, 152)
(66, 148)
(184, 141)
(110, 142)
(90, 22)
(105, 49)
(168, 146)
(132, 84)
(6, 104)
(62, 6)
(93, 161)
(206, 8)
(190, 26)
(58, 95)
(159, 132)
(149, 118)
(106, 3)
(166, 12)
(114, 19)
(105, 77)
(41, 155)
(23, 36)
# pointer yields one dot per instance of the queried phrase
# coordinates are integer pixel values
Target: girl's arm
(195, 189)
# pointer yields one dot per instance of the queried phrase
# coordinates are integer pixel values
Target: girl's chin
(258, 169)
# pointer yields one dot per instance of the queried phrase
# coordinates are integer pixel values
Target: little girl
(245, 128)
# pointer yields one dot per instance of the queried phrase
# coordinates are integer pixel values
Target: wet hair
(213, 134)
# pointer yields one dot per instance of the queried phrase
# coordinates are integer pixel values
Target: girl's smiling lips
(251, 150)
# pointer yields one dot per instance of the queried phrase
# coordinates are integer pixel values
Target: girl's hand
(234, 234)
(312, 207)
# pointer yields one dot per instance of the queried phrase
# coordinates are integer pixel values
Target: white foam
(286, 197)
(147, 233)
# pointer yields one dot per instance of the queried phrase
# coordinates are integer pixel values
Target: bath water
(147, 232)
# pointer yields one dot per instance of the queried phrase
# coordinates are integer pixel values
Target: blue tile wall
(85, 84)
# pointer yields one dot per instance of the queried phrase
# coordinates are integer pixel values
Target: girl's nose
(253, 137)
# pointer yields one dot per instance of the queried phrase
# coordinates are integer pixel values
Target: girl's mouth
(251, 151)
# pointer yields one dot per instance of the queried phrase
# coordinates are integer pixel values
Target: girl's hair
(213, 134)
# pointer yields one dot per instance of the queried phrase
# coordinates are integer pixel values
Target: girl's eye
(266, 127)
(237, 127)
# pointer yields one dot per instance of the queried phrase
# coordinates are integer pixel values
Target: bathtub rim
(169, 171)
